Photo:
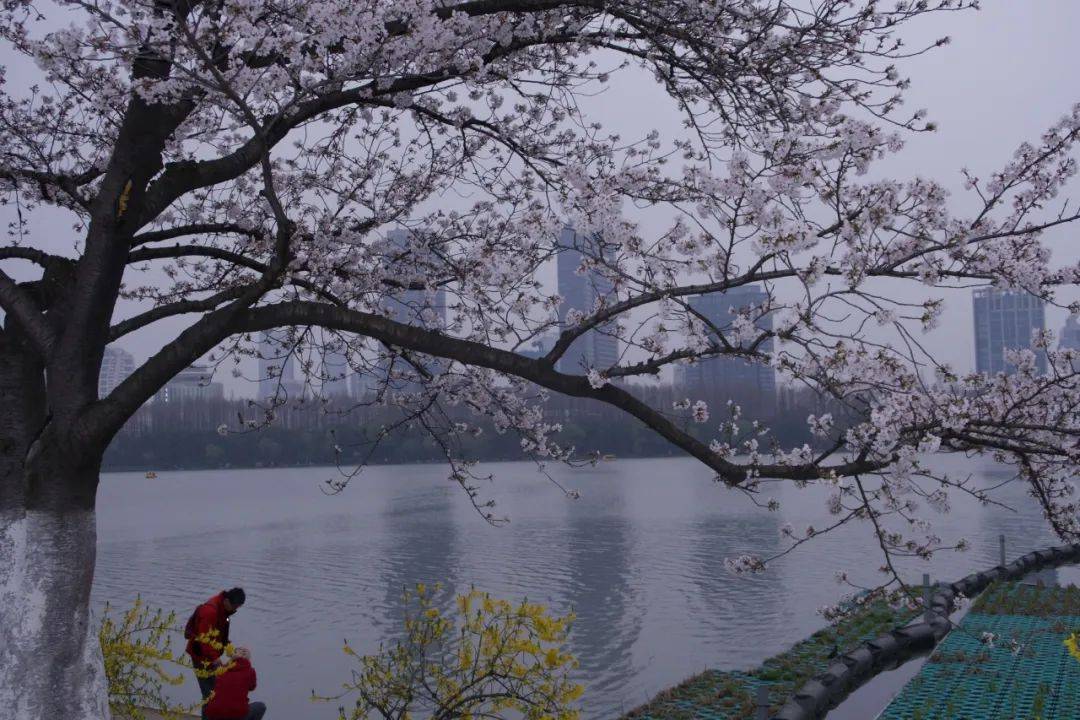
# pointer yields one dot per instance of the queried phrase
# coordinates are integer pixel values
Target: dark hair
(235, 596)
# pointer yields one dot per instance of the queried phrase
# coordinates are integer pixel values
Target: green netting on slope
(716, 695)
(1026, 673)
(1030, 600)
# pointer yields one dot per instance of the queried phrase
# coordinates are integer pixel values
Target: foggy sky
(1009, 73)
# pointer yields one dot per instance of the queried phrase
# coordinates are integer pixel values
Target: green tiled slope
(1026, 673)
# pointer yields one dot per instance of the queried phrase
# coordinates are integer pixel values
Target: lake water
(639, 558)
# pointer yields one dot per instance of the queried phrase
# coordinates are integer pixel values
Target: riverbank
(734, 695)
(148, 714)
(1016, 653)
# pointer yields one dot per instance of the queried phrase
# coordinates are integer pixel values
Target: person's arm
(252, 680)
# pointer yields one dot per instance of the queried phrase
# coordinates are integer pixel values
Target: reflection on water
(715, 595)
(420, 545)
(602, 588)
(639, 558)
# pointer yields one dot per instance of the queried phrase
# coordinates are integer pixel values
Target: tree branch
(26, 312)
(69, 184)
(183, 177)
(34, 255)
(194, 229)
(183, 307)
(418, 339)
(180, 251)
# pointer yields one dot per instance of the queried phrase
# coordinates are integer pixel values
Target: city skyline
(1001, 319)
(1007, 41)
(415, 307)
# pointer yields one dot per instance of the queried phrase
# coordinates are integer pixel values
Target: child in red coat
(230, 698)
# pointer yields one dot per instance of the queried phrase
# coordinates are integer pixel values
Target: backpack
(189, 627)
(192, 624)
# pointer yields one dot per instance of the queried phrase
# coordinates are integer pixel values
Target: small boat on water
(151, 475)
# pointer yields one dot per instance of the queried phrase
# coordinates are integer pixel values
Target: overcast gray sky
(1010, 71)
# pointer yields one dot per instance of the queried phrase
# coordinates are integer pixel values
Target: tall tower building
(750, 384)
(412, 307)
(277, 369)
(415, 307)
(116, 365)
(362, 386)
(335, 372)
(1005, 320)
(580, 291)
(1070, 334)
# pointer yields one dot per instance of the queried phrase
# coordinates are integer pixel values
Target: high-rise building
(415, 307)
(335, 372)
(193, 383)
(116, 365)
(751, 384)
(277, 369)
(362, 386)
(580, 289)
(1070, 334)
(1005, 320)
(421, 308)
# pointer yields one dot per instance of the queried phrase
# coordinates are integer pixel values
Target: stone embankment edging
(854, 669)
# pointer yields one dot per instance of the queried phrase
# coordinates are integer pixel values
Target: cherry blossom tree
(239, 165)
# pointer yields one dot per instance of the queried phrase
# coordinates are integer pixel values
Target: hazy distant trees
(168, 435)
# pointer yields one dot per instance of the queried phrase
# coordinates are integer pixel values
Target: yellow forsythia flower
(136, 652)
(494, 659)
(1073, 644)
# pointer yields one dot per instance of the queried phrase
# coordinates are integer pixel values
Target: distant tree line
(218, 433)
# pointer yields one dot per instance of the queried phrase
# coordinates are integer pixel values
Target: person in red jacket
(230, 698)
(211, 619)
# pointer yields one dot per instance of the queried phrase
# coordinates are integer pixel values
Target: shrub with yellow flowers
(494, 659)
(1072, 643)
(140, 664)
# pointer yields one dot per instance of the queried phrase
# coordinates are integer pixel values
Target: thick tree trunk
(50, 662)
